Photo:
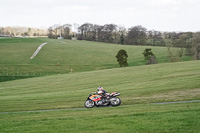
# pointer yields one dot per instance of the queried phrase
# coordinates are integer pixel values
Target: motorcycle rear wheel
(89, 104)
(115, 101)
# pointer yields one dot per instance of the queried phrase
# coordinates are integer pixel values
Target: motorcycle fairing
(95, 97)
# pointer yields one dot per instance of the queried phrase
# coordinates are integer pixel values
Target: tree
(122, 58)
(121, 32)
(149, 56)
(50, 34)
(122, 39)
(53, 31)
(170, 41)
(29, 31)
(26, 34)
(1, 31)
(181, 43)
(99, 33)
(66, 31)
(196, 45)
(7, 33)
(155, 38)
(87, 32)
(109, 31)
(136, 36)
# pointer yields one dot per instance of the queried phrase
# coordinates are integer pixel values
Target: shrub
(122, 58)
(149, 56)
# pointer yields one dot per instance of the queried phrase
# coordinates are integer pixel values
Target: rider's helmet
(99, 88)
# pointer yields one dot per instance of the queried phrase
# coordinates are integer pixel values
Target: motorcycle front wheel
(89, 104)
(115, 101)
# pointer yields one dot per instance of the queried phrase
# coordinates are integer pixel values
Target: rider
(101, 91)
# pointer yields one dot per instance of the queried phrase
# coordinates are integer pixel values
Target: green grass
(141, 84)
(142, 118)
(22, 40)
(79, 56)
(94, 65)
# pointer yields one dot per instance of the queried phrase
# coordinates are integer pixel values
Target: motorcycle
(97, 100)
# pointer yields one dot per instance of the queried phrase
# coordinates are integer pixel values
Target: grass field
(77, 56)
(142, 118)
(139, 85)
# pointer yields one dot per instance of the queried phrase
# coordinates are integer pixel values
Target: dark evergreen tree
(122, 58)
(122, 39)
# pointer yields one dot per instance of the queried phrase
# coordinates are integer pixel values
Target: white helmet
(99, 88)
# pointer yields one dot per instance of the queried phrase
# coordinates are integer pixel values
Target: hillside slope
(141, 84)
(62, 56)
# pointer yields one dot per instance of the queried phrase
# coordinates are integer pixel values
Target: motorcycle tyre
(116, 104)
(87, 106)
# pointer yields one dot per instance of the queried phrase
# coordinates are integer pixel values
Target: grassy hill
(140, 84)
(79, 56)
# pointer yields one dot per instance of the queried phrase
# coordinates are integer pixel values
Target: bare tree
(99, 36)
(196, 45)
(50, 34)
(170, 43)
(1, 31)
(85, 31)
(24, 31)
(136, 36)
(109, 32)
(155, 38)
(53, 31)
(182, 42)
(67, 31)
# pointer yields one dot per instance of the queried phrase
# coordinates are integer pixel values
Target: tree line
(22, 31)
(136, 35)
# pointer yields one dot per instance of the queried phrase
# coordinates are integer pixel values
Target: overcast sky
(162, 15)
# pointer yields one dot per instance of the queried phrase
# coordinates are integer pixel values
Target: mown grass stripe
(192, 101)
